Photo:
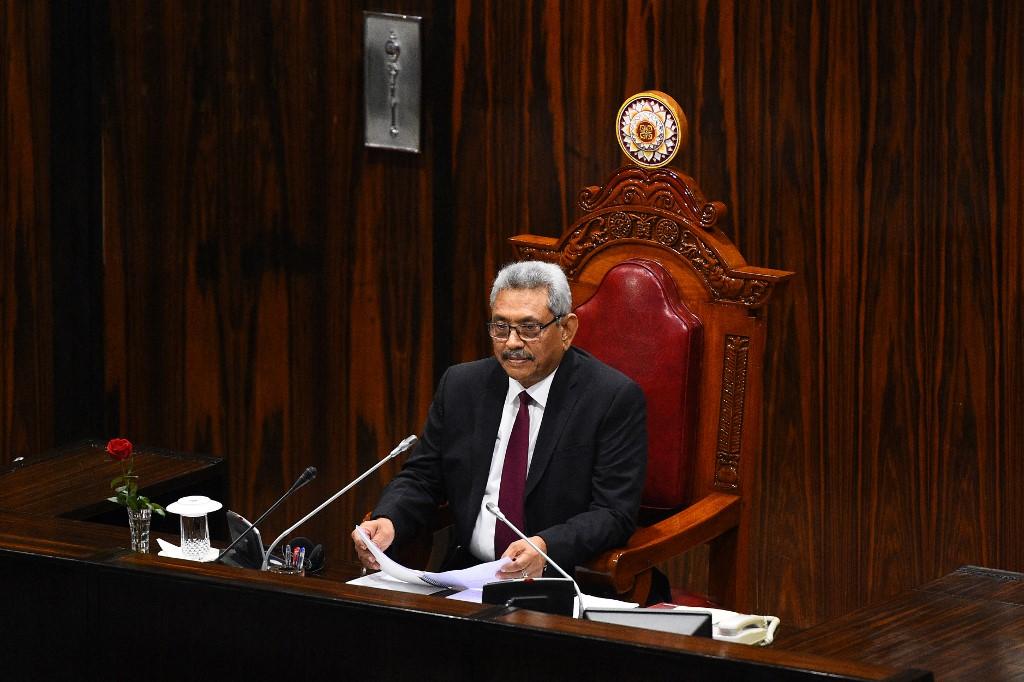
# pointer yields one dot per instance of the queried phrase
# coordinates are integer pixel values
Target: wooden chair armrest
(701, 522)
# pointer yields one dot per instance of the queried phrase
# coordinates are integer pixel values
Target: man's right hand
(382, 532)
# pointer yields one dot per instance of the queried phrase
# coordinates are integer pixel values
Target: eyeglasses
(528, 331)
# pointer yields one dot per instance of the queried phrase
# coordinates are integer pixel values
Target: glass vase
(139, 522)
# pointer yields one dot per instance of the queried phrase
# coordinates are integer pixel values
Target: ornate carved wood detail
(539, 253)
(659, 207)
(679, 235)
(730, 412)
(662, 189)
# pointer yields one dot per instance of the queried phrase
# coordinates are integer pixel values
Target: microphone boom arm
(399, 449)
(308, 475)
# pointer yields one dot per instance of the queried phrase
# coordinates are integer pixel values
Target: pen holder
(195, 529)
(289, 570)
(293, 561)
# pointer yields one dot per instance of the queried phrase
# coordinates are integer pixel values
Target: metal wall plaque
(392, 78)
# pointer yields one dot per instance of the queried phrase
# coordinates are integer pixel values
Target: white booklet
(472, 578)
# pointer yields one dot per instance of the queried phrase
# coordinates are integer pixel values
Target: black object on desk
(548, 595)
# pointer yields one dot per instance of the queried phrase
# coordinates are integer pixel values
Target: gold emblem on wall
(651, 128)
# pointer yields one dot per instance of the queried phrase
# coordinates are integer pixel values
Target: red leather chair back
(636, 323)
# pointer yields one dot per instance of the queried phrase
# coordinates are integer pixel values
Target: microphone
(399, 449)
(493, 508)
(305, 477)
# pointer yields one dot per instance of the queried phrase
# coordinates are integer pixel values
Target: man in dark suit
(581, 445)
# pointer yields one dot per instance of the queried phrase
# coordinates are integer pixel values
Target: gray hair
(535, 274)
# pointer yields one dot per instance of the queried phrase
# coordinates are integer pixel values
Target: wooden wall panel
(895, 448)
(871, 148)
(26, 306)
(268, 279)
(535, 88)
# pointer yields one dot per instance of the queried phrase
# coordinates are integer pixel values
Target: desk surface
(74, 482)
(968, 625)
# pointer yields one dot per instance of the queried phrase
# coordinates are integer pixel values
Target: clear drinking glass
(195, 537)
(195, 530)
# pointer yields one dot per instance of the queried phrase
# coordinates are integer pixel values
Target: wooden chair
(664, 296)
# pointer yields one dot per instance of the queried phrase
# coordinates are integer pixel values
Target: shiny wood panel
(26, 307)
(268, 280)
(887, 408)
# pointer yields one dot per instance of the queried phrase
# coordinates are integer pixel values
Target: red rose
(119, 449)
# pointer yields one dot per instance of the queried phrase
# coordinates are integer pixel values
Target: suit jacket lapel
(561, 401)
(488, 418)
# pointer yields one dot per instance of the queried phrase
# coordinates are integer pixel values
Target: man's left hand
(526, 562)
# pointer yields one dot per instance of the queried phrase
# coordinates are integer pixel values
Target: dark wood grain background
(199, 253)
(26, 301)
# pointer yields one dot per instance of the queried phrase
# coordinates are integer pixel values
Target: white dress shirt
(482, 543)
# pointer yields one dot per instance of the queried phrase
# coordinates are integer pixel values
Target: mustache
(517, 354)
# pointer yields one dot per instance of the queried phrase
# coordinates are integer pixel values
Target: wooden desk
(968, 625)
(79, 606)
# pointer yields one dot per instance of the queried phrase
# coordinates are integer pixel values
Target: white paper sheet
(472, 596)
(383, 581)
(592, 602)
(472, 577)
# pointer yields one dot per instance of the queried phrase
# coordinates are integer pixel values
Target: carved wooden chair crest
(664, 296)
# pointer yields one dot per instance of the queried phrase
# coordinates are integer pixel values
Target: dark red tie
(513, 478)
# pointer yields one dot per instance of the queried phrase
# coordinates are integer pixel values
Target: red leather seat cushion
(636, 323)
